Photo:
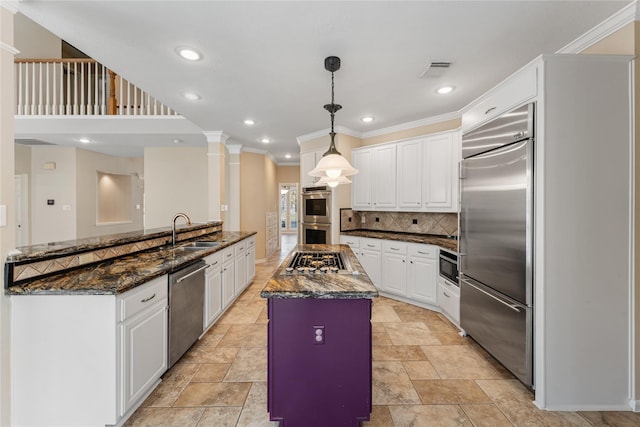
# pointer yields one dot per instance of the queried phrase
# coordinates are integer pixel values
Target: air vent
(32, 142)
(435, 69)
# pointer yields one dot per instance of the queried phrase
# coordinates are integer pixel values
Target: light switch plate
(3, 215)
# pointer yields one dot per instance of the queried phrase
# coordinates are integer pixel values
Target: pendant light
(333, 169)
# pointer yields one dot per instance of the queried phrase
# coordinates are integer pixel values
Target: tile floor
(424, 374)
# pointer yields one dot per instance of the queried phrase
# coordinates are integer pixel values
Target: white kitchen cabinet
(384, 177)
(251, 259)
(449, 300)
(362, 182)
(143, 341)
(371, 259)
(212, 289)
(394, 268)
(353, 242)
(422, 273)
(410, 172)
(308, 162)
(240, 264)
(228, 275)
(440, 180)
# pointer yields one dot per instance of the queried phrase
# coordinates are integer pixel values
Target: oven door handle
(500, 300)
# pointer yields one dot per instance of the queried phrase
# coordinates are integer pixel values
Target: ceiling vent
(25, 141)
(435, 69)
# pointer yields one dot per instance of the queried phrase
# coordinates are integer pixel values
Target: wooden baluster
(112, 103)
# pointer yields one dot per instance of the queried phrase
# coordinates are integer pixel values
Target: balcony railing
(72, 86)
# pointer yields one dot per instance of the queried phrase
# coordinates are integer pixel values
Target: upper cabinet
(415, 175)
(308, 162)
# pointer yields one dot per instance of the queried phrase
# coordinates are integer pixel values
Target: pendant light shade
(333, 168)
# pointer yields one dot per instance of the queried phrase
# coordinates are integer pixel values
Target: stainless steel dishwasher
(186, 307)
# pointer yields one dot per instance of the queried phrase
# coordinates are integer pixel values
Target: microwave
(316, 205)
(449, 266)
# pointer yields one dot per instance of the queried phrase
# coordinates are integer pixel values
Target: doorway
(288, 208)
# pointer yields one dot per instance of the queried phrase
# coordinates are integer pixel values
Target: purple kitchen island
(319, 367)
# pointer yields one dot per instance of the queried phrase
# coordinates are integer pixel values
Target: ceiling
(264, 60)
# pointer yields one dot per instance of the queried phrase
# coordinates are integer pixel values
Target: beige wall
(253, 204)
(22, 159)
(33, 41)
(7, 171)
(412, 133)
(619, 43)
(288, 174)
(175, 181)
(88, 163)
(57, 222)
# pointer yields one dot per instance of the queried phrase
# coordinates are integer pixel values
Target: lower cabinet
(251, 259)
(449, 299)
(371, 259)
(394, 268)
(228, 275)
(422, 273)
(240, 266)
(212, 289)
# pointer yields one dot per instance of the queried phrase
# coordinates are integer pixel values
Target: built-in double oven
(449, 266)
(316, 215)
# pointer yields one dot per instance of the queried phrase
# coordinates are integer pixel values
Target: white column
(233, 215)
(216, 183)
(7, 194)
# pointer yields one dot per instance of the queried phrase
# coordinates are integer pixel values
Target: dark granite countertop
(321, 286)
(119, 275)
(449, 243)
(57, 249)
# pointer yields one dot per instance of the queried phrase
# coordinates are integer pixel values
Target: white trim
(12, 50)
(607, 27)
(234, 148)
(632, 240)
(589, 408)
(272, 158)
(216, 136)
(10, 5)
(289, 164)
(254, 150)
(635, 405)
(325, 132)
(414, 124)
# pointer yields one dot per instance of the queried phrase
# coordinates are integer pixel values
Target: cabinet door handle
(402, 260)
(411, 262)
(211, 265)
(148, 299)
(446, 295)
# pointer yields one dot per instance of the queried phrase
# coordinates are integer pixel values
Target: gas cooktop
(318, 262)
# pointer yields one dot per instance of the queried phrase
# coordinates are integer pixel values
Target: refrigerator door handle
(511, 306)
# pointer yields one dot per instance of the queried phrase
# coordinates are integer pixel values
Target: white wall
(53, 223)
(87, 165)
(175, 181)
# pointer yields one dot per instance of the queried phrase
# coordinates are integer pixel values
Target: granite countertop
(449, 243)
(321, 285)
(57, 249)
(119, 275)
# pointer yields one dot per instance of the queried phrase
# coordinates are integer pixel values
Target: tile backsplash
(445, 224)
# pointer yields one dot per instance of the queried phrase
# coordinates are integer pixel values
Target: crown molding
(12, 50)
(607, 27)
(254, 150)
(412, 125)
(216, 136)
(325, 132)
(234, 148)
(288, 164)
(10, 5)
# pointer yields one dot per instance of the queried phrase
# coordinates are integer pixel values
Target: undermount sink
(200, 245)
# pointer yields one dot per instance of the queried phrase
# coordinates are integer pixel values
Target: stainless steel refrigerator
(496, 239)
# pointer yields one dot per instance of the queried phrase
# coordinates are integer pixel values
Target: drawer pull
(423, 253)
(446, 295)
(490, 110)
(211, 265)
(370, 246)
(395, 249)
(148, 299)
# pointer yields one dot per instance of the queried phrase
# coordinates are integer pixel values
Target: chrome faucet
(173, 225)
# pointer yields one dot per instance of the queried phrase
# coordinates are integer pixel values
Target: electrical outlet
(85, 258)
(415, 221)
(377, 219)
(349, 219)
(318, 334)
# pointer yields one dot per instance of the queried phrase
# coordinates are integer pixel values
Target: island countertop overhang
(355, 285)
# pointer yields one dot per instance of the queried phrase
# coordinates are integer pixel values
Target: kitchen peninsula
(319, 344)
(92, 317)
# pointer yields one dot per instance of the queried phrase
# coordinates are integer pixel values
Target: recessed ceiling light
(367, 119)
(177, 141)
(445, 89)
(84, 140)
(287, 156)
(191, 96)
(188, 53)
(249, 122)
(265, 140)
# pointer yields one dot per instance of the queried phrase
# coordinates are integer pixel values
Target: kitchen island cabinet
(319, 344)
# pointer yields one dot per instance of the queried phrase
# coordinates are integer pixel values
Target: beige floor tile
(262, 318)
(451, 338)
(398, 352)
(459, 362)
(165, 417)
(514, 400)
(612, 418)
(254, 413)
(380, 338)
(420, 370)
(485, 415)
(410, 333)
(164, 395)
(449, 392)
(249, 365)
(243, 312)
(253, 335)
(223, 416)
(181, 373)
(428, 415)
(211, 372)
(391, 385)
(384, 313)
(213, 394)
(380, 417)
(203, 354)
